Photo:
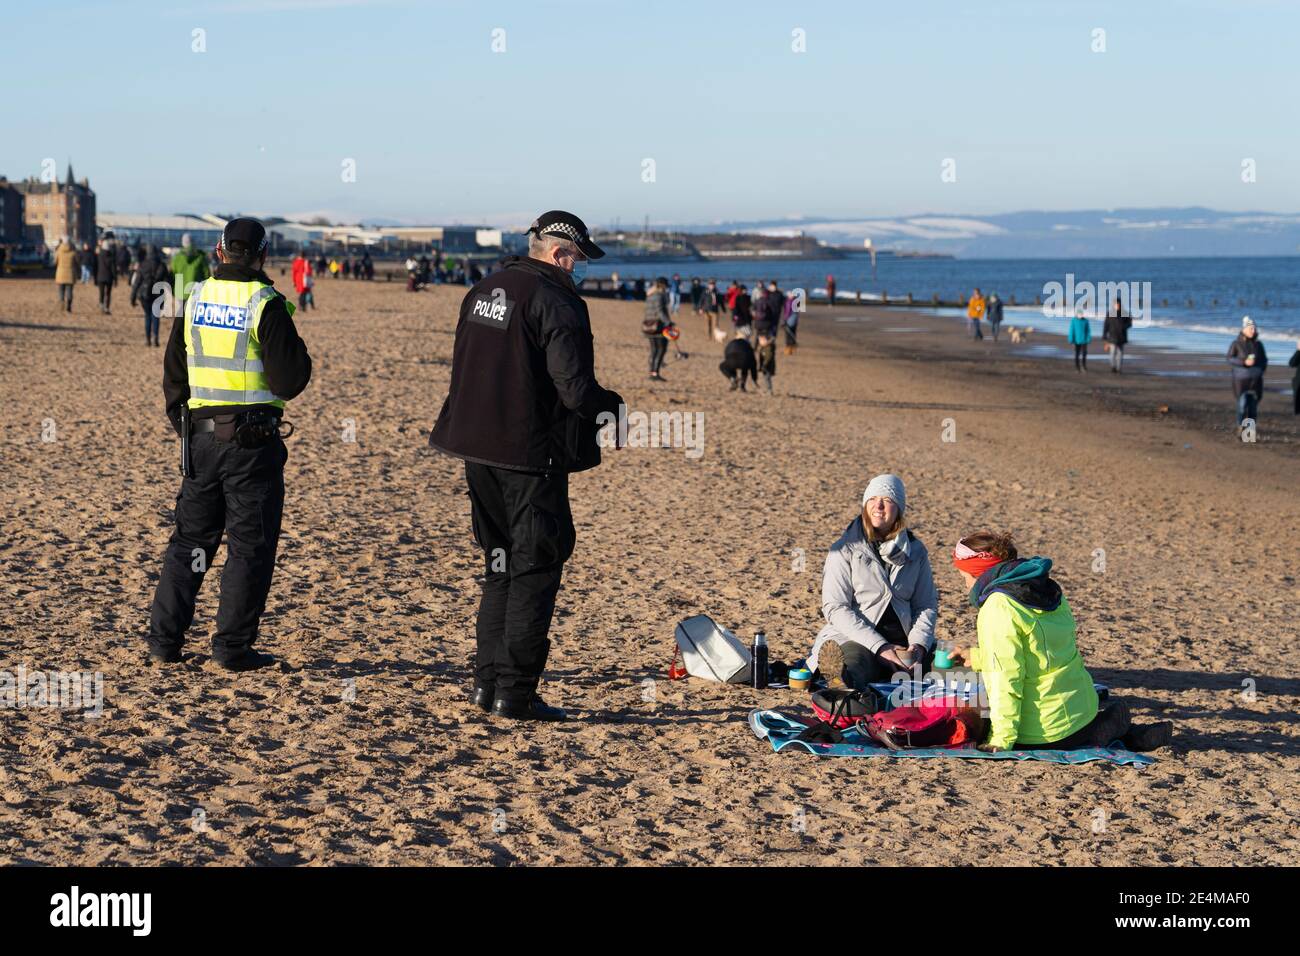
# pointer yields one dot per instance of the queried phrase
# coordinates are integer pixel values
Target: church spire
(70, 179)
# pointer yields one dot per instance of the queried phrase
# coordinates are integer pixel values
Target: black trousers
(658, 349)
(738, 375)
(151, 320)
(863, 668)
(239, 491)
(1089, 735)
(523, 524)
(106, 295)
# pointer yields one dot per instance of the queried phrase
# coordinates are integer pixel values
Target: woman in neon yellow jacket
(1040, 696)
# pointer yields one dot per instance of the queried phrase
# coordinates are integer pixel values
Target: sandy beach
(358, 748)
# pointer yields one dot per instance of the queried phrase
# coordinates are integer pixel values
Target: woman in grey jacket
(878, 595)
(656, 320)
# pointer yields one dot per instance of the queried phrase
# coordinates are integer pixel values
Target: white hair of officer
(556, 250)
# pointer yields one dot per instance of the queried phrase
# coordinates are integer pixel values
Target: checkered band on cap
(560, 229)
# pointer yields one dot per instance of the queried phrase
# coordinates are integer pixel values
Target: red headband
(974, 563)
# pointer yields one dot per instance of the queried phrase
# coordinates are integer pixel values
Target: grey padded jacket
(857, 586)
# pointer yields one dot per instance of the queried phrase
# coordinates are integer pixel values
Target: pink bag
(928, 724)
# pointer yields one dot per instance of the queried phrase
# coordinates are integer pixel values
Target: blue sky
(739, 126)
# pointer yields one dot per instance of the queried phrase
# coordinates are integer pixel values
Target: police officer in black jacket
(522, 413)
(236, 480)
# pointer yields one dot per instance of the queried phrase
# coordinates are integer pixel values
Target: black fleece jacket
(284, 354)
(738, 356)
(523, 393)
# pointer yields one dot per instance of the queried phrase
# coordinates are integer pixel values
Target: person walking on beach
(772, 314)
(738, 362)
(1249, 361)
(1115, 334)
(189, 267)
(653, 323)
(790, 321)
(123, 263)
(302, 282)
(995, 314)
(1080, 335)
(65, 264)
(733, 290)
(1295, 379)
(86, 260)
(149, 286)
(975, 312)
(710, 306)
(766, 358)
(106, 275)
(522, 411)
(830, 290)
(231, 364)
(741, 319)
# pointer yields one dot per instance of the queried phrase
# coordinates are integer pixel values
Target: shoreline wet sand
(359, 747)
(1190, 387)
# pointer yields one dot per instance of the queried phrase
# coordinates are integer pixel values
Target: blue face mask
(579, 272)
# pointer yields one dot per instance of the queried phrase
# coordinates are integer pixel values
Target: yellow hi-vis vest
(221, 345)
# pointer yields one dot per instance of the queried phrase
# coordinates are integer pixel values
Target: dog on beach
(1019, 335)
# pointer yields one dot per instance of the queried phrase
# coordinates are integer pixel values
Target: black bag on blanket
(839, 708)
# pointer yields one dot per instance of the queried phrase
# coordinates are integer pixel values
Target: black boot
(1111, 723)
(163, 655)
(532, 709)
(1143, 737)
(482, 697)
(250, 660)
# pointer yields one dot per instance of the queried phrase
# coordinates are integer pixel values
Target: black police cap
(245, 230)
(565, 225)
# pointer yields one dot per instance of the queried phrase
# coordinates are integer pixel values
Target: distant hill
(1092, 233)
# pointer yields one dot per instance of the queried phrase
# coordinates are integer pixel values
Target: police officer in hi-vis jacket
(231, 363)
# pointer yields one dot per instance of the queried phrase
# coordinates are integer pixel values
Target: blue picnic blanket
(781, 730)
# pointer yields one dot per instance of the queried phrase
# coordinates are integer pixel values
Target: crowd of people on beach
(347, 267)
(1246, 354)
(754, 322)
(422, 271)
(748, 320)
(154, 281)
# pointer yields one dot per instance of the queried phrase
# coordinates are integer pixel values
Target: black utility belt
(245, 429)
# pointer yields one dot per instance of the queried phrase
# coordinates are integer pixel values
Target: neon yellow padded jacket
(1038, 689)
